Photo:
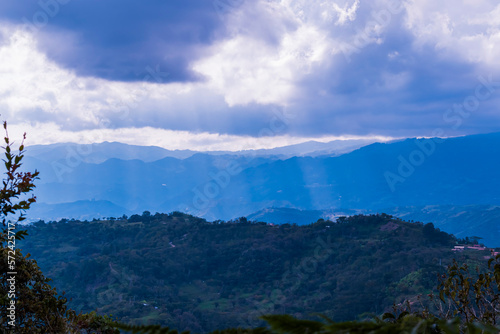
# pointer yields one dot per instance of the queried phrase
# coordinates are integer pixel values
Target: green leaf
(20, 235)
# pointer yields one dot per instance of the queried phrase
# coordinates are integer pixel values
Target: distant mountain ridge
(299, 217)
(456, 172)
(84, 210)
(100, 152)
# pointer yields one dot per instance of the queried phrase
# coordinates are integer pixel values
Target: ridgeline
(190, 274)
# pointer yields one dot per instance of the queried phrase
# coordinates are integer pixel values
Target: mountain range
(454, 172)
(100, 152)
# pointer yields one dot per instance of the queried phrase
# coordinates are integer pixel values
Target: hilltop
(188, 273)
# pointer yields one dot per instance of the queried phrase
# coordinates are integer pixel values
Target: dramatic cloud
(118, 39)
(470, 31)
(235, 69)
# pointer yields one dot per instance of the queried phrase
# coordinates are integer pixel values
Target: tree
(466, 302)
(28, 304)
(472, 298)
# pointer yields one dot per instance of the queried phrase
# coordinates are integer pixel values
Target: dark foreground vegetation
(183, 272)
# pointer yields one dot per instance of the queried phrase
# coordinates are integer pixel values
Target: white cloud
(469, 30)
(247, 68)
(35, 88)
(344, 14)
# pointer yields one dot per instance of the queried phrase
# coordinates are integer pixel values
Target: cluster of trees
(183, 272)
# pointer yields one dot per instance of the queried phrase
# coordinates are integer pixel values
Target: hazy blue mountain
(456, 171)
(136, 185)
(100, 152)
(296, 216)
(72, 154)
(310, 149)
(83, 210)
(459, 171)
(286, 216)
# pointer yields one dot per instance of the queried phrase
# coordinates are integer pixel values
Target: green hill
(187, 273)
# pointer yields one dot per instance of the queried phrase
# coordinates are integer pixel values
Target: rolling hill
(187, 273)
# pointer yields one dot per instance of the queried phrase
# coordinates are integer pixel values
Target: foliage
(87, 323)
(472, 298)
(16, 186)
(146, 329)
(408, 323)
(186, 273)
(37, 305)
(467, 302)
(30, 304)
(286, 324)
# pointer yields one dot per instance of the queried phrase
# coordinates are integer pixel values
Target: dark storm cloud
(121, 39)
(393, 88)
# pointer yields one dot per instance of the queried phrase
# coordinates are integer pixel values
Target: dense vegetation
(187, 273)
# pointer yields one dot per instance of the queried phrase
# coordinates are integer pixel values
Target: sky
(241, 74)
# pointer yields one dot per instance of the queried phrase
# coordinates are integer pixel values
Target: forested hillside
(482, 221)
(187, 273)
